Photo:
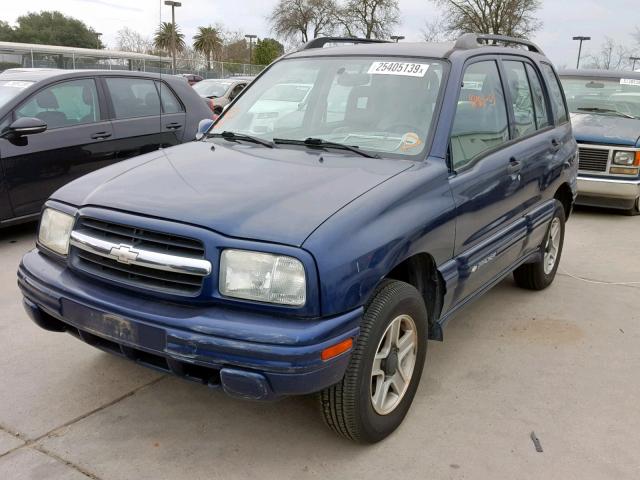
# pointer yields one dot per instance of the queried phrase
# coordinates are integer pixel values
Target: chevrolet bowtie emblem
(124, 254)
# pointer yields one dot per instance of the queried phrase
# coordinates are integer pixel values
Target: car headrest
(46, 99)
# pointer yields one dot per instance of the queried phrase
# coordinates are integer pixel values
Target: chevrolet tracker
(314, 241)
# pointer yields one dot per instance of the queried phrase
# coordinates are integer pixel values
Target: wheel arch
(564, 195)
(420, 270)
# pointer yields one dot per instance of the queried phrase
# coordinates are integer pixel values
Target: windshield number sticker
(630, 81)
(398, 68)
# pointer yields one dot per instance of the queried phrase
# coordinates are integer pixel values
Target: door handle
(173, 126)
(514, 166)
(555, 145)
(100, 135)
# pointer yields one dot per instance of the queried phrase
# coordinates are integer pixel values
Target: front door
(77, 141)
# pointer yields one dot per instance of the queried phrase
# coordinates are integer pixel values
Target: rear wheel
(539, 275)
(385, 367)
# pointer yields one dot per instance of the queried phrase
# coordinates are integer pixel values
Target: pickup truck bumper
(608, 192)
(252, 356)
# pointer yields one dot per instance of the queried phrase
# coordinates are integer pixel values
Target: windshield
(212, 88)
(603, 96)
(381, 105)
(11, 88)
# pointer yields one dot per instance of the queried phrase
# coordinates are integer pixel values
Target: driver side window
(63, 104)
(481, 121)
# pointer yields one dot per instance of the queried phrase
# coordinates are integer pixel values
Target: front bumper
(249, 355)
(608, 192)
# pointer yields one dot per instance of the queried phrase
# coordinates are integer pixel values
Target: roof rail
(322, 41)
(475, 40)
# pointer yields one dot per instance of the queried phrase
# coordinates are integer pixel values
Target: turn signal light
(637, 161)
(624, 170)
(337, 349)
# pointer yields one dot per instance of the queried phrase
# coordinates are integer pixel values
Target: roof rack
(475, 40)
(322, 41)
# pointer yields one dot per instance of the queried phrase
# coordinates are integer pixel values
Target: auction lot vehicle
(218, 93)
(319, 256)
(57, 125)
(605, 112)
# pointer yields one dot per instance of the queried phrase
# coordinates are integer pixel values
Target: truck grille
(154, 277)
(593, 159)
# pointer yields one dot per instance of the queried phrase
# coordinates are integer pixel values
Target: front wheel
(635, 210)
(539, 275)
(385, 367)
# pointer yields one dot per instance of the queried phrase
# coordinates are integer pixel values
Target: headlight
(625, 158)
(55, 229)
(263, 277)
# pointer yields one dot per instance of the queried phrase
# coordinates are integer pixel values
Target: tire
(534, 276)
(348, 407)
(635, 210)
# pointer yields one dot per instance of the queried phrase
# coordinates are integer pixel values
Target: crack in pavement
(593, 281)
(32, 443)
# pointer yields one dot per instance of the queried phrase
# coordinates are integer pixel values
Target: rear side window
(481, 122)
(539, 103)
(133, 97)
(170, 104)
(521, 98)
(556, 93)
(64, 104)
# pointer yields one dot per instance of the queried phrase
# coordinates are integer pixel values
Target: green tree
(207, 41)
(162, 37)
(6, 32)
(54, 28)
(266, 51)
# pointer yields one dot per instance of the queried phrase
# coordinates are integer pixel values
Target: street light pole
(251, 37)
(634, 59)
(98, 35)
(173, 6)
(397, 37)
(581, 39)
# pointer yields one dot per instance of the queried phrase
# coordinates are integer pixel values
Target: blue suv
(329, 223)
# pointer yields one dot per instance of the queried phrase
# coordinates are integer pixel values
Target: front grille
(175, 283)
(593, 159)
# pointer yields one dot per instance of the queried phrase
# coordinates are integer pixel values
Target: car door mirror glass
(26, 126)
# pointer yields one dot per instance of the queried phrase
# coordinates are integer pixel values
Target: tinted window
(133, 97)
(520, 98)
(63, 104)
(11, 88)
(556, 93)
(481, 122)
(539, 103)
(170, 103)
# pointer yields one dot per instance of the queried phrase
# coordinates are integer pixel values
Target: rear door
(135, 110)
(77, 141)
(490, 228)
(173, 114)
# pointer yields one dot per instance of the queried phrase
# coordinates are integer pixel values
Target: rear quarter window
(555, 91)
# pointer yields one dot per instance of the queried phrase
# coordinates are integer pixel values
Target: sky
(561, 19)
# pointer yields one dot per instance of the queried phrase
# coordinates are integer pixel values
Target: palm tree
(206, 41)
(163, 39)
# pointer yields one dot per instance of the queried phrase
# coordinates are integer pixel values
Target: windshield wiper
(320, 143)
(234, 137)
(605, 110)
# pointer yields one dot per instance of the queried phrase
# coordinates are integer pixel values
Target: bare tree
(514, 18)
(303, 19)
(369, 18)
(129, 40)
(434, 31)
(612, 56)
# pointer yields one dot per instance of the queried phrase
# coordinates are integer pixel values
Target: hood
(241, 190)
(606, 129)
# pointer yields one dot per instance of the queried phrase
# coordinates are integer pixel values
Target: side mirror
(203, 127)
(25, 126)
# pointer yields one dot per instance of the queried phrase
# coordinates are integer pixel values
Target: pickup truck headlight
(626, 158)
(55, 230)
(262, 277)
